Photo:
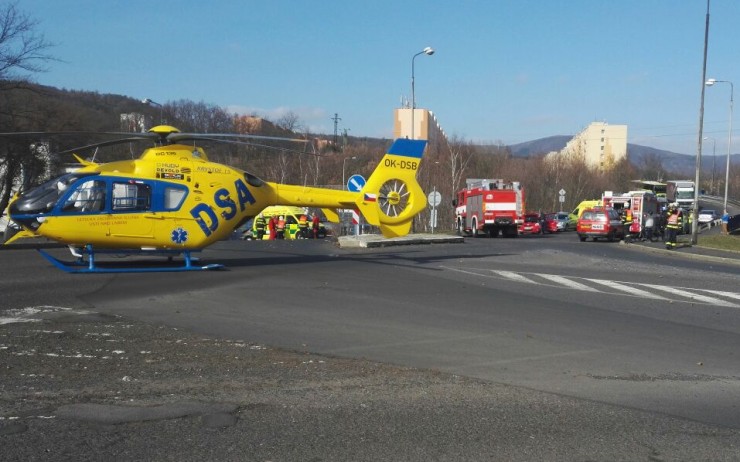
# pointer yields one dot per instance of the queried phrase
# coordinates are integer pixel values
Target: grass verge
(720, 241)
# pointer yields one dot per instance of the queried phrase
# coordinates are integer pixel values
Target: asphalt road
(537, 348)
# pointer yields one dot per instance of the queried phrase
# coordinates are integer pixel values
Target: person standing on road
(271, 225)
(315, 225)
(649, 222)
(259, 226)
(726, 223)
(303, 226)
(673, 224)
(280, 227)
(627, 224)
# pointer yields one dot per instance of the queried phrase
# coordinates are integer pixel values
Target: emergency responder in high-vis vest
(303, 226)
(280, 227)
(673, 224)
(627, 223)
(259, 226)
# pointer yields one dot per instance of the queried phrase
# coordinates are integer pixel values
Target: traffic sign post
(561, 198)
(355, 184)
(434, 198)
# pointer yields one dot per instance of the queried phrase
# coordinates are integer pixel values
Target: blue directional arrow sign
(356, 183)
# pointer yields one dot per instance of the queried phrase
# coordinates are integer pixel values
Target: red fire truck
(489, 207)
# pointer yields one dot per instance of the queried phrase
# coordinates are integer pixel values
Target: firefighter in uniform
(259, 226)
(303, 226)
(627, 223)
(673, 224)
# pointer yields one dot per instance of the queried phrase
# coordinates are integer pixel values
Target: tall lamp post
(344, 162)
(154, 103)
(709, 83)
(426, 51)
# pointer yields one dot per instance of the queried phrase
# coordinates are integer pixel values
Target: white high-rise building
(600, 145)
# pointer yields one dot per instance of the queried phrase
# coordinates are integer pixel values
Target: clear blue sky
(504, 71)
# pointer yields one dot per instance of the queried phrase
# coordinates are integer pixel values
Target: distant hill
(539, 146)
(671, 161)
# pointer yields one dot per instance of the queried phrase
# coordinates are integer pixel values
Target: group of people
(276, 227)
(654, 225)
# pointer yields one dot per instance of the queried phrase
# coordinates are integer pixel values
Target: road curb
(375, 240)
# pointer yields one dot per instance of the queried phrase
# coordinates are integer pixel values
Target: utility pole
(336, 120)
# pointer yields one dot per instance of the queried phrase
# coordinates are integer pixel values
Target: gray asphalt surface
(81, 385)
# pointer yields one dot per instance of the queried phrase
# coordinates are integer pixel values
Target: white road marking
(627, 289)
(722, 293)
(514, 276)
(692, 295)
(568, 282)
(678, 294)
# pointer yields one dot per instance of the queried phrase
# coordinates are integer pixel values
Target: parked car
(563, 222)
(551, 223)
(532, 224)
(707, 216)
(600, 222)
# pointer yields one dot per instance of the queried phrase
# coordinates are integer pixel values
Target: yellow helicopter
(172, 200)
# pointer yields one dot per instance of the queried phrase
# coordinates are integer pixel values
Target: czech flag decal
(371, 197)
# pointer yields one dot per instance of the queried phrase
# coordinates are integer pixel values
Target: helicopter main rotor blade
(258, 145)
(176, 137)
(102, 144)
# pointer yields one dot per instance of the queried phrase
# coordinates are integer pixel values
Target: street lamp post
(154, 103)
(426, 51)
(344, 162)
(709, 83)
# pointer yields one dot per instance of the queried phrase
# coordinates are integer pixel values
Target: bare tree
(22, 52)
(22, 49)
(290, 122)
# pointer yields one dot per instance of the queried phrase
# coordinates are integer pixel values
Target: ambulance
(292, 217)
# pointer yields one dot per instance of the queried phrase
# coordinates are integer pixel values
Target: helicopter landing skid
(91, 266)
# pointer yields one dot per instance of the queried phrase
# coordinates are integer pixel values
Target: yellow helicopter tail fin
(392, 197)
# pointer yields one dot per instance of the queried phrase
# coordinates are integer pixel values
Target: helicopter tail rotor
(392, 197)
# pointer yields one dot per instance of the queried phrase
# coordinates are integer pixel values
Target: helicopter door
(131, 210)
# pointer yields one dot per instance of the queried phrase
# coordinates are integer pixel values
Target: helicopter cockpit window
(44, 197)
(173, 198)
(89, 196)
(128, 196)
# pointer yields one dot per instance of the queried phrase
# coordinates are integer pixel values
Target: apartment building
(600, 145)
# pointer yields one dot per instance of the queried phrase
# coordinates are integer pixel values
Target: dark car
(600, 222)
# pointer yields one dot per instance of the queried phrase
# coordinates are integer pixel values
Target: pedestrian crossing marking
(628, 289)
(607, 286)
(568, 282)
(514, 276)
(691, 295)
